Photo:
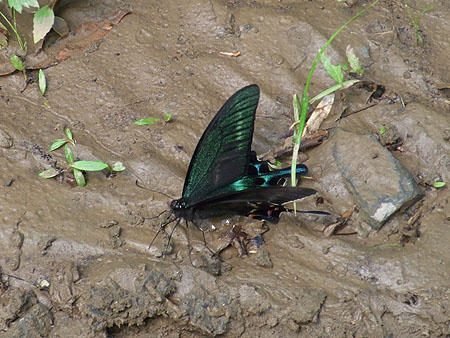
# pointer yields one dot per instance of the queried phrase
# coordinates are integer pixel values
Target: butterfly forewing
(223, 153)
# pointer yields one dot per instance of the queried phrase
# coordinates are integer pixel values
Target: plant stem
(305, 96)
(14, 28)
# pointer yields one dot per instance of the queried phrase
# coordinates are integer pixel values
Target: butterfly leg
(166, 250)
(204, 238)
(162, 227)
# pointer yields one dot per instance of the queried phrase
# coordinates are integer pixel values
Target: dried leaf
(319, 115)
(60, 26)
(71, 44)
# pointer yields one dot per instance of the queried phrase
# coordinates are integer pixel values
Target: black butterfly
(226, 178)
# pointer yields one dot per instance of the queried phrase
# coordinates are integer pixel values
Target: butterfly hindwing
(258, 203)
(223, 153)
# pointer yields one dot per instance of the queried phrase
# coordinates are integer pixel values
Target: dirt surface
(87, 247)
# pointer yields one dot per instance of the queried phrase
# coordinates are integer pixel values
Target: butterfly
(226, 178)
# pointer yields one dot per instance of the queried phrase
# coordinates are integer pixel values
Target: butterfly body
(226, 178)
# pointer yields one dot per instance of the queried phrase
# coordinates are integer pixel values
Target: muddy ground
(91, 243)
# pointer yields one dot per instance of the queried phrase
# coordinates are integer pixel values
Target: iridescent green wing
(222, 155)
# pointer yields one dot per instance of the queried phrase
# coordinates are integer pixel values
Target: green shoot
(146, 121)
(79, 177)
(42, 82)
(77, 167)
(17, 63)
(50, 173)
(13, 26)
(70, 158)
(151, 120)
(117, 167)
(303, 103)
(89, 165)
(382, 130)
(415, 21)
(69, 135)
(353, 61)
(335, 71)
(438, 184)
(58, 143)
(167, 117)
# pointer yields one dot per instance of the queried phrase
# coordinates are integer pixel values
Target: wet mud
(76, 262)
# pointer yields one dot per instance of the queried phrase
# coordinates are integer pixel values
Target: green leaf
(146, 121)
(79, 177)
(57, 144)
(42, 82)
(49, 173)
(353, 61)
(18, 4)
(89, 165)
(69, 154)
(42, 22)
(438, 184)
(382, 130)
(334, 71)
(118, 166)
(344, 85)
(167, 117)
(17, 63)
(69, 134)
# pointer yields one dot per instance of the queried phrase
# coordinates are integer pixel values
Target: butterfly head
(178, 207)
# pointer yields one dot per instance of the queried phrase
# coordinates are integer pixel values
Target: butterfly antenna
(139, 185)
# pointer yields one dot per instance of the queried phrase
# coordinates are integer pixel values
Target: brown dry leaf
(73, 43)
(319, 115)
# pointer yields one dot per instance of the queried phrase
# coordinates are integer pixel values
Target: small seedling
(382, 130)
(438, 184)
(167, 117)
(151, 120)
(77, 167)
(353, 61)
(42, 82)
(146, 121)
(415, 21)
(18, 64)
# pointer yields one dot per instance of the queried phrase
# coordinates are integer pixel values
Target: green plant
(438, 184)
(150, 120)
(301, 105)
(42, 82)
(43, 19)
(77, 167)
(415, 21)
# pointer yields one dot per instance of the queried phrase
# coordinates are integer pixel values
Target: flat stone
(379, 183)
(6, 140)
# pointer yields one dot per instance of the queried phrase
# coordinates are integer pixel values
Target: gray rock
(379, 183)
(6, 140)
(37, 322)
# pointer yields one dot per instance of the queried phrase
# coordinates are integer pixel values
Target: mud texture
(75, 261)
